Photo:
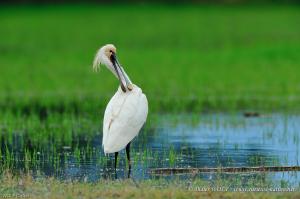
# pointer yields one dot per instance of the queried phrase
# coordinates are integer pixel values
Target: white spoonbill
(127, 110)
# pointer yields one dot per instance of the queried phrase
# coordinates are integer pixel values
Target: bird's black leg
(128, 158)
(116, 160)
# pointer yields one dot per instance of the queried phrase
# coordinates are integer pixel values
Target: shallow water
(210, 140)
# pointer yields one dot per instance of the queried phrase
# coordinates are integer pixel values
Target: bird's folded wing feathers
(124, 116)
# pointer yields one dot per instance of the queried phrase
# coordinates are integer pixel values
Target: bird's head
(106, 55)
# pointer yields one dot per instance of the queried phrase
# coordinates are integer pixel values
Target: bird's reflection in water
(113, 174)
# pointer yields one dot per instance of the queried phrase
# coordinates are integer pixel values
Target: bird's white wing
(124, 116)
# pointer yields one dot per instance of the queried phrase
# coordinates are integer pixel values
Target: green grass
(25, 186)
(186, 58)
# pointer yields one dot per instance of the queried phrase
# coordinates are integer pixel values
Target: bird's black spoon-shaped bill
(116, 65)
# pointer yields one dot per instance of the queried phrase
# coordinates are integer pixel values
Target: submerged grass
(54, 144)
(188, 58)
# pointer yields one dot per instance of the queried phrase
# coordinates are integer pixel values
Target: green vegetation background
(185, 58)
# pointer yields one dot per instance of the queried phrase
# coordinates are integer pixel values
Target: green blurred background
(190, 57)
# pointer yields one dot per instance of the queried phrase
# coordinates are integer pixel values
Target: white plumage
(127, 110)
(124, 116)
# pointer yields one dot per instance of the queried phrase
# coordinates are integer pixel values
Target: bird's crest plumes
(102, 56)
(97, 61)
